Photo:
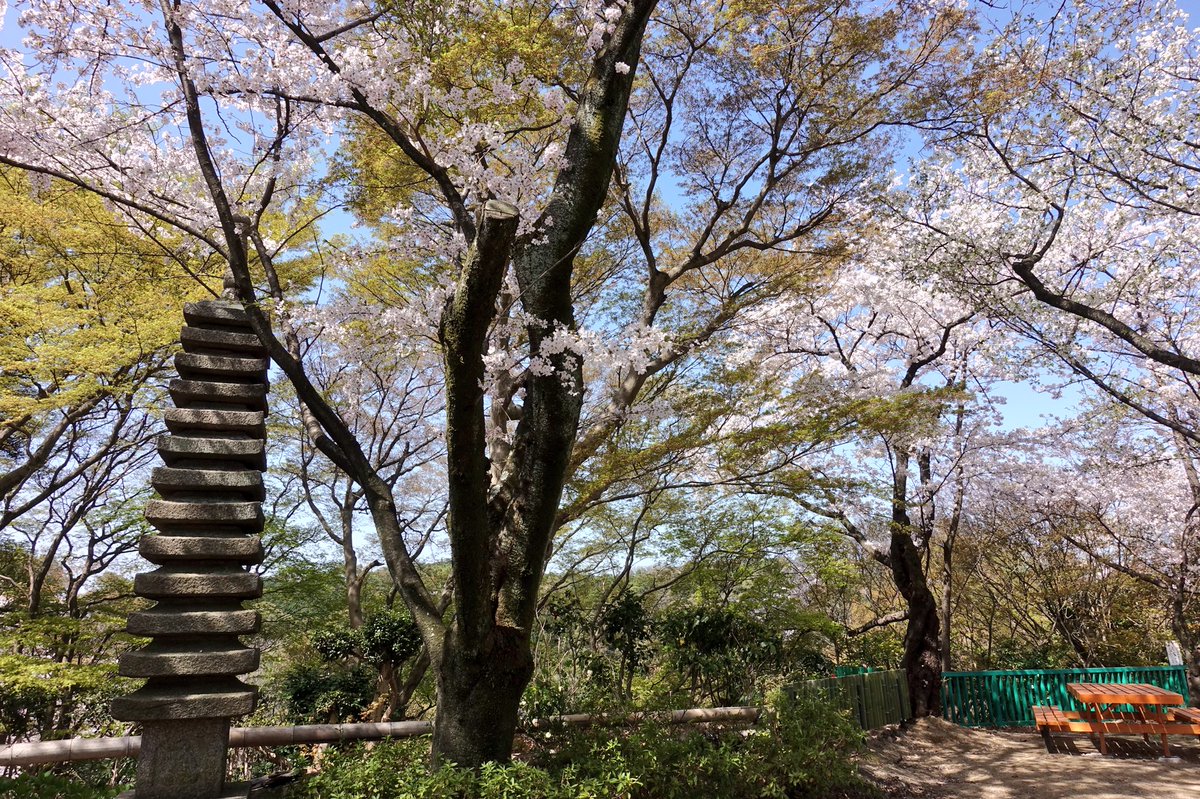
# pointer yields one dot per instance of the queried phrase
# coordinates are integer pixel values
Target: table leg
(1155, 714)
(1141, 714)
(1098, 721)
(1140, 710)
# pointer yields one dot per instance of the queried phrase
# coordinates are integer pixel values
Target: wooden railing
(874, 700)
(76, 749)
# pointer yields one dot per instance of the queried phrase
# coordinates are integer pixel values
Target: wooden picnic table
(1151, 710)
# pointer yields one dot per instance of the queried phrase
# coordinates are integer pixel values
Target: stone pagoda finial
(208, 521)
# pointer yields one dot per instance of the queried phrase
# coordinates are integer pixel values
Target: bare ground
(938, 760)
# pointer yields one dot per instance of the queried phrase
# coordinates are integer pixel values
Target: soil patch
(939, 760)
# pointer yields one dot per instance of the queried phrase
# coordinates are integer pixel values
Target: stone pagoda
(208, 520)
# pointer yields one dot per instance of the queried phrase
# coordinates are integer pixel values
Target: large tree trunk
(478, 697)
(922, 660)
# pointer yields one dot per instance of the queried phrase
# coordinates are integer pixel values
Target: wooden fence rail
(76, 749)
(874, 700)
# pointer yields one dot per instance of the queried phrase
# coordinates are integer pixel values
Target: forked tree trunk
(500, 531)
(478, 699)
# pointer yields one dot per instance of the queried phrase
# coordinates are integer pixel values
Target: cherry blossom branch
(334, 438)
(386, 123)
(1143, 344)
(117, 199)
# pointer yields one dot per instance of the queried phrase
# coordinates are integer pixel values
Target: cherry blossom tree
(1062, 199)
(217, 120)
(1136, 511)
(1063, 196)
(904, 358)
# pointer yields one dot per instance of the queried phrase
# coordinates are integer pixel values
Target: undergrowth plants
(801, 748)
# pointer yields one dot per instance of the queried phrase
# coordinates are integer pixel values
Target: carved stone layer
(171, 582)
(162, 549)
(227, 482)
(166, 622)
(219, 314)
(205, 367)
(198, 339)
(248, 451)
(218, 423)
(188, 662)
(168, 516)
(190, 393)
(194, 701)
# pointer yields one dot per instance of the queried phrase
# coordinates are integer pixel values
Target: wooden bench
(1184, 721)
(1156, 711)
(1050, 718)
(1186, 714)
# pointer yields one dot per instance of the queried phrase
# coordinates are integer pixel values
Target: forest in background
(832, 242)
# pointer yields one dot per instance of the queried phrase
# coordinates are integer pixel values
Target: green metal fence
(850, 671)
(1006, 698)
(873, 700)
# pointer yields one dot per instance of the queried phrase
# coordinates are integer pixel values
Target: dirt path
(940, 760)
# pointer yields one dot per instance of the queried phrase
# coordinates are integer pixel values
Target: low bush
(51, 786)
(803, 749)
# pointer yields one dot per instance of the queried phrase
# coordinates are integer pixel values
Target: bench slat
(1191, 714)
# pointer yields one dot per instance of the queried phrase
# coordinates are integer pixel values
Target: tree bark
(922, 659)
(478, 697)
(948, 552)
(947, 600)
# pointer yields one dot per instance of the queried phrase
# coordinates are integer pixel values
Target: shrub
(50, 786)
(723, 653)
(803, 749)
(324, 692)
